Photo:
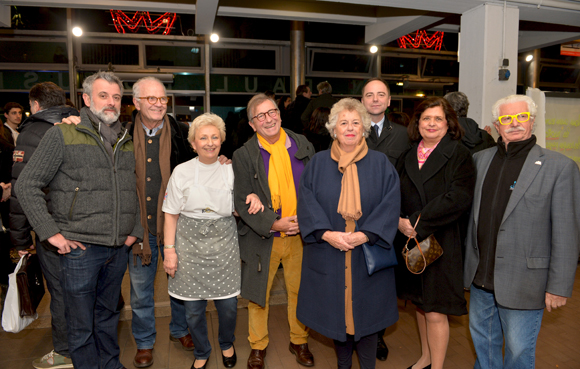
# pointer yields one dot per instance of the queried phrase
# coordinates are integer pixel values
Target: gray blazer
(539, 236)
(254, 233)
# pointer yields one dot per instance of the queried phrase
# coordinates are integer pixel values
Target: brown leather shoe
(303, 355)
(144, 358)
(256, 359)
(186, 342)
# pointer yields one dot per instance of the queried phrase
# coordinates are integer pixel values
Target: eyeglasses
(273, 113)
(506, 120)
(153, 100)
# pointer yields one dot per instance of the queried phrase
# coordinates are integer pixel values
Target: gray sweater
(94, 198)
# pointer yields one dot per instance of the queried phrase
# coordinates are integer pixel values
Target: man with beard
(47, 105)
(89, 169)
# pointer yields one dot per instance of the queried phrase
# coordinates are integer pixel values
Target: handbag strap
(406, 249)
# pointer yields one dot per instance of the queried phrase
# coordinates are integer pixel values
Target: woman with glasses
(202, 255)
(437, 179)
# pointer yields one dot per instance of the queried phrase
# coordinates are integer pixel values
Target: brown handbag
(422, 255)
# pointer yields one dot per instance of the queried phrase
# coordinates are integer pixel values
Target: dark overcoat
(254, 233)
(321, 294)
(442, 192)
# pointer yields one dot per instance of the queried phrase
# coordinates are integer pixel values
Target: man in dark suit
(389, 138)
(386, 137)
(522, 240)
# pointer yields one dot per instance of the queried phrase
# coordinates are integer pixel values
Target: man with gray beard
(89, 169)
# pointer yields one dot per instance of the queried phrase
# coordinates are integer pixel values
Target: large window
(436, 67)
(399, 66)
(103, 54)
(33, 52)
(173, 56)
(231, 58)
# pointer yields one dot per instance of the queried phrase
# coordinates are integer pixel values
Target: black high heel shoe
(427, 367)
(230, 362)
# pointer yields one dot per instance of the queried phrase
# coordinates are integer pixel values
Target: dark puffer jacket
(94, 198)
(32, 130)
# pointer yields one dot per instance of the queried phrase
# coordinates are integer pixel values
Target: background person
(47, 105)
(437, 178)
(316, 131)
(475, 138)
(333, 259)
(324, 99)
(201, 239)
(13, 113)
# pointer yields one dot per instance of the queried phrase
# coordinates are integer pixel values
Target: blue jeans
(91, 281)
(143, 304)
(490, 323)
(227, 314)
(50, 265)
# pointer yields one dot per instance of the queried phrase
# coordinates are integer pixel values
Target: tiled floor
(558, 343)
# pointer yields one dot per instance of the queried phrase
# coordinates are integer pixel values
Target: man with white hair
(93, 220)
(160, 145)
(522, 240)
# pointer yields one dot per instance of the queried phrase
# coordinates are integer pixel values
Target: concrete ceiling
(384, 20)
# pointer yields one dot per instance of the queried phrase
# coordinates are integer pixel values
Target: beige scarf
(165, 166)
(350, 208)
(349, 204)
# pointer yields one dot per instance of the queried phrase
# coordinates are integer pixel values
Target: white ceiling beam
(531, 40)
(5, 16)
(390, 29)
(443, 6)
(205, 16)
(569, 17)
(229, 11)
(127, 5)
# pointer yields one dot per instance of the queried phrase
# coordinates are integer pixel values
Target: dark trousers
(91, 281)
(366, 348)
(50, 265)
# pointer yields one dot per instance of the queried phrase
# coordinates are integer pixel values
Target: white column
(486, 40)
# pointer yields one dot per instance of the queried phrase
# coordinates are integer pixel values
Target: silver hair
(207, 119)
(532, 107)
(459, 102)
(257, 100)
(140, 81)
(107, 76)
(349, 104)
(324, 88)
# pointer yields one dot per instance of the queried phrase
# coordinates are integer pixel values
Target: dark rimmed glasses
(153, 99)
(273, 113)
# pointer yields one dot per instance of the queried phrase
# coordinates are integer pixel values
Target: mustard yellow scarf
(280, 177)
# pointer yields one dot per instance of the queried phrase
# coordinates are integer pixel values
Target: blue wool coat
(321, 295)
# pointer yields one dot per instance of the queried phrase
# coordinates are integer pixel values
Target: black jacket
(32, 130)
(393, 141)
(324, 100)
(295, 109)
(475, 138)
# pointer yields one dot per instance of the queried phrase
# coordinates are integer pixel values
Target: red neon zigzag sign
(121, 20)
(422, 39)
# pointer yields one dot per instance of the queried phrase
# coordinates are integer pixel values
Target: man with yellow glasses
(522, 240)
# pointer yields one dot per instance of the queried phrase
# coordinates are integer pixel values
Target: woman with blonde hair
(201, 240)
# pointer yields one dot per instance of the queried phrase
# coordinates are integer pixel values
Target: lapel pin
(538, 163)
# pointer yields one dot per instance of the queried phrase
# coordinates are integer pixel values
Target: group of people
(97, 191)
